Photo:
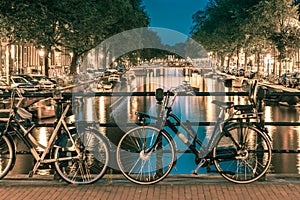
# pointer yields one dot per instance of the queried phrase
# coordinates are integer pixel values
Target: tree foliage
(74, 24)
(226, 26)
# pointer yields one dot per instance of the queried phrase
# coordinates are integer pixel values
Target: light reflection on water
(200, 109)
(122, 109)
(284, 137)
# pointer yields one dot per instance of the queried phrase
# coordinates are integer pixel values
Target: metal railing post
(159, 95)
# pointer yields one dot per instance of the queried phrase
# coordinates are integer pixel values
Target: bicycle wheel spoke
(131, 171)
(141, 159)
(7, 155)
(88, 172)
(253, 154)
(91, 160)
(83, 172)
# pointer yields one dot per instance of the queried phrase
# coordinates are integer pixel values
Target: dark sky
(173, 14)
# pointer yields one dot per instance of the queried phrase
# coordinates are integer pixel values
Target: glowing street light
(268, 62)
(42, 54)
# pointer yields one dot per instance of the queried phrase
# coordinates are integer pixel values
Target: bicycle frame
(191, 133)
(165, 118)
(25, 135)
(237, 149)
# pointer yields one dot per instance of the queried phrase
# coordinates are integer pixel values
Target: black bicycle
(240, 149)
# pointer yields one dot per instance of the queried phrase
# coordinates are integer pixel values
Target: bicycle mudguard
(259, 128)
(264, 130)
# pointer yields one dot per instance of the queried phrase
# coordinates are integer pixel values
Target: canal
(121, 110)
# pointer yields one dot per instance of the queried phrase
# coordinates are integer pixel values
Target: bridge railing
(70, 95)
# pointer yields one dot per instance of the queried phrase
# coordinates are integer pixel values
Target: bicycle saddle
(223, 104)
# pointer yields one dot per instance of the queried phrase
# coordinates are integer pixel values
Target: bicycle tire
(7, 155)
(92, 162)
(247, 163)
(145, 168)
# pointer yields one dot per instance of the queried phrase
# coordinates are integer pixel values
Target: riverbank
(285, 100)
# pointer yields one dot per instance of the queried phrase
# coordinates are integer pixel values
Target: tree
(221, 26)
(227, 26)
(76, 25)
(105, 20)
(278, 22)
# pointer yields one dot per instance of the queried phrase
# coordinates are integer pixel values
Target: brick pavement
(173, 187)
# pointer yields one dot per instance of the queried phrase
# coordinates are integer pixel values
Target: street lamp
(13, 56)
(267, 62)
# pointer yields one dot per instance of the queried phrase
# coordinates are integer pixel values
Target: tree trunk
(258, 63)
(274, 62)
(238, 58)
(73, 67)
(46, 61)
(280, 71)
(245, 62)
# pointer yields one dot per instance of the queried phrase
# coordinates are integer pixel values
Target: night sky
(172, 14)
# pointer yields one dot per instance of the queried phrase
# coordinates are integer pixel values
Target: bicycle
(79, 155)
(240, 148)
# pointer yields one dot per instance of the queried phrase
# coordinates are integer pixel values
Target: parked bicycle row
(239, 149)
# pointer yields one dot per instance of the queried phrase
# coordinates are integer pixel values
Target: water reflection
(122, 110)
(284, 138)
(201, 109)
(43, 138)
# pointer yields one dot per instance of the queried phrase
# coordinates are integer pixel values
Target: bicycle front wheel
(145, 155)
(243, 153)
(88, 164)
(7, 155)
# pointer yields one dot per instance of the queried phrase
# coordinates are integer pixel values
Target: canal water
(121, 110)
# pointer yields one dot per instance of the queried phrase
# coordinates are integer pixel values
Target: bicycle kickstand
(195, 172)
(36, 166)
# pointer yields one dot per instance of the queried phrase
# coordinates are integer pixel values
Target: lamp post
(267, 61)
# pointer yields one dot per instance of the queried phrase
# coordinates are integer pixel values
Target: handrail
(91, 94)
(69, 95)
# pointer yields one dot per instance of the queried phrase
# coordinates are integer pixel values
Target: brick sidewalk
(173, 187)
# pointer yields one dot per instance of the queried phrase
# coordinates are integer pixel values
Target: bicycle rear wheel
(87, 166)
(7, 155)
(145, 155)
(243, 154)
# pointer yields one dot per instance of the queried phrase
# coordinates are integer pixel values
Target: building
(18, 59)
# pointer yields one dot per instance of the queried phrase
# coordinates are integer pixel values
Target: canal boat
(284, 103)
(106, 85)
(114, 78)
(43, 109)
